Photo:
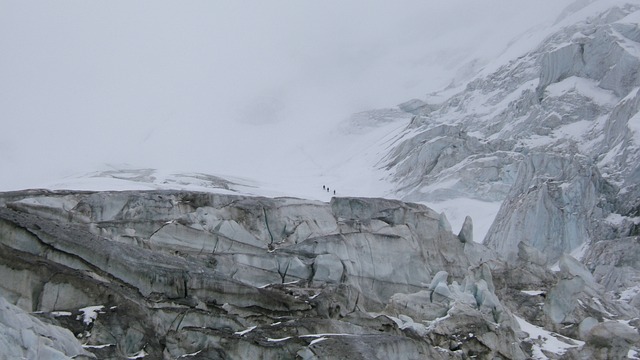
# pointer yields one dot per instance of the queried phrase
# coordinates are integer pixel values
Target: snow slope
(249, 91)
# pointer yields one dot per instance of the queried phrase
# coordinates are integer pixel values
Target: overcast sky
(208, 85)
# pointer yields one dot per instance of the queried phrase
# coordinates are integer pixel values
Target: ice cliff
(178, 273)
(171, 274)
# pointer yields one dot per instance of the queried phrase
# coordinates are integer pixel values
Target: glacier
(540, 147)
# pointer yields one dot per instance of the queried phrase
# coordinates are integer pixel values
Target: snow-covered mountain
(540, 145)
(208, 86)
(552, 135)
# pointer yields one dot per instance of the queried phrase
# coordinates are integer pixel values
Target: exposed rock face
(172, 273)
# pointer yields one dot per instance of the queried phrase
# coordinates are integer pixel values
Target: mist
(223, 86)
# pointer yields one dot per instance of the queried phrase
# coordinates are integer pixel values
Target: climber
(327, 189)
(334, 192)
(323, 187)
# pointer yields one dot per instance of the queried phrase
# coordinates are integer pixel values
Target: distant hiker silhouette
(327, 189)
(334, 192)
(323, 187)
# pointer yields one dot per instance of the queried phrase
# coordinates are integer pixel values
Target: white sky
(222, 86)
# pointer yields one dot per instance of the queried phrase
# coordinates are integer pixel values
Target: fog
(222, 86)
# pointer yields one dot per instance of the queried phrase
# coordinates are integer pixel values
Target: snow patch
(60, 313)
(96, 346)
(190, 355)
(139, 355)
(614, 219)
(243, 332)
(546, 341)
(90, 313)
(533, 292)
(318, 340)
(629, 293)
(279, 340)
(617, 219)
(585, 87)
(575, 131)
(324, 335)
